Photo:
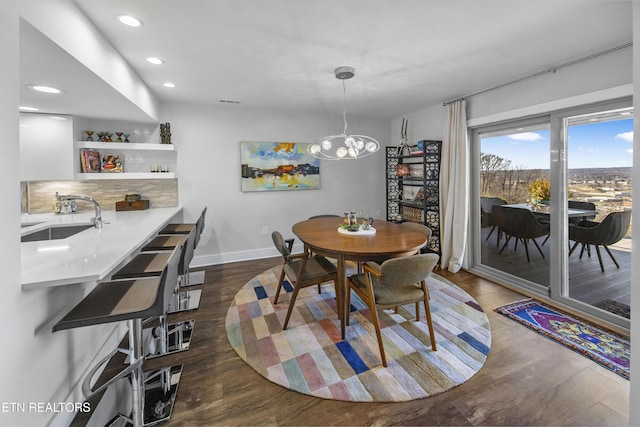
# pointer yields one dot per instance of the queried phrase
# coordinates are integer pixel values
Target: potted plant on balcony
(540, 191)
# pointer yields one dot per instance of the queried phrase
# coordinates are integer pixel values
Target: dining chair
(416, 226)
(611, 230)
(302, 270)
(522, 225)
(395, 282)
(486, 213)
(498, 219)
(575, 204)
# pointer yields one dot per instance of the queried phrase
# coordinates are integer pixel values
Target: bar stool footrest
(195, 278)
(179, 338)
(158, 404)
(188, 300)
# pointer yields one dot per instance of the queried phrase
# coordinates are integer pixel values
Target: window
(570, 169)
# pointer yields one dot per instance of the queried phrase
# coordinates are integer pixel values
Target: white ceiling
(408, 54)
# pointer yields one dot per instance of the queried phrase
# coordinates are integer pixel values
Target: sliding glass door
(571, 172)
(513, 161)
(599, 165)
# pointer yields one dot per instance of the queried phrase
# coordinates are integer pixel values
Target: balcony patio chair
(486, 214)
(522, 225)
(575, 204)
(611, 230)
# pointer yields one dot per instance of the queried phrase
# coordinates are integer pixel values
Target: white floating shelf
(124, 146)
(125, 175)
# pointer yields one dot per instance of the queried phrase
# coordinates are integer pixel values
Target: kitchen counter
(90, 255)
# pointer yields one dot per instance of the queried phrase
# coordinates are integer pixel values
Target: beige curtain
(454, 187)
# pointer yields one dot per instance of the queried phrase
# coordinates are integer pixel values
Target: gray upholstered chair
(302, 269)
(393, 283)
(611, 230)
(416, 226)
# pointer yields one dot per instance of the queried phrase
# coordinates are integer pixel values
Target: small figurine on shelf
(165, 133)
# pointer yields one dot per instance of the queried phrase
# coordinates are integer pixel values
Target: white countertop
(90, 255)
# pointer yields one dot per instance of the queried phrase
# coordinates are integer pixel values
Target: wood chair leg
(417, 311)
(275, 300)
(376, 324)
(290, 309)
(427, 310)
(348, 313)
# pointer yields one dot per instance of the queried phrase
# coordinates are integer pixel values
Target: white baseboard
(225, 258)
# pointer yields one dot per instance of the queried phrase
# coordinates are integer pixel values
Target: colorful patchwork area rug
(604, 347)
(311, 358)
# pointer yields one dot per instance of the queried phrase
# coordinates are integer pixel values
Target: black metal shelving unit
(415, 196)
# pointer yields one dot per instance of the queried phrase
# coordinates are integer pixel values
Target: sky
(593, 145)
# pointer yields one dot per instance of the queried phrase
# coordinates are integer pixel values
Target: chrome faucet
(97, 220)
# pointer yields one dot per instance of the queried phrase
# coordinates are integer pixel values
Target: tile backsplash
(39, 196)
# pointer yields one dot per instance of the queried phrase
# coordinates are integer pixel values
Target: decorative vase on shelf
(89, 135)
(403, 148)
(165, 133)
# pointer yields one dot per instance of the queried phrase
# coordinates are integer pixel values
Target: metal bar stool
(184, 300)
(153, 393)
(165, 338)
(196, 277)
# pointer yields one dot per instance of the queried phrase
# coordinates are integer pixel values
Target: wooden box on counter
(137, 205)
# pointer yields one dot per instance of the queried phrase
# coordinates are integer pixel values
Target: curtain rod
(548, 70)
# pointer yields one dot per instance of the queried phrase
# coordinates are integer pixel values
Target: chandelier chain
(344, 111)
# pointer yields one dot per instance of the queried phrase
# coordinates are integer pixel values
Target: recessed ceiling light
(45, 89)
(25, 108)
(155, 61)
(130, 20)
(57, 118)
(169, 84)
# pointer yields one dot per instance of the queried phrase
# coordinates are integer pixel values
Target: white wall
(208, 141)
(37, 366)
(12, 334)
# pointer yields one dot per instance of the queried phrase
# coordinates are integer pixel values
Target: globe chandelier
(344, 146)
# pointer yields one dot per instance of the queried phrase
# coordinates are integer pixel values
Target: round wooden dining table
(321, 236)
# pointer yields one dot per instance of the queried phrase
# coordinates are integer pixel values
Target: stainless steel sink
(55, 232)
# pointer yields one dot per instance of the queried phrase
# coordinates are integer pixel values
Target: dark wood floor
(587, 283)
(527, 379)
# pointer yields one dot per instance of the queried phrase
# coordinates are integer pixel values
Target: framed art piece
(278, 166)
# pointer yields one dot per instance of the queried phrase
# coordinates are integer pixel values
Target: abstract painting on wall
(278, 166)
